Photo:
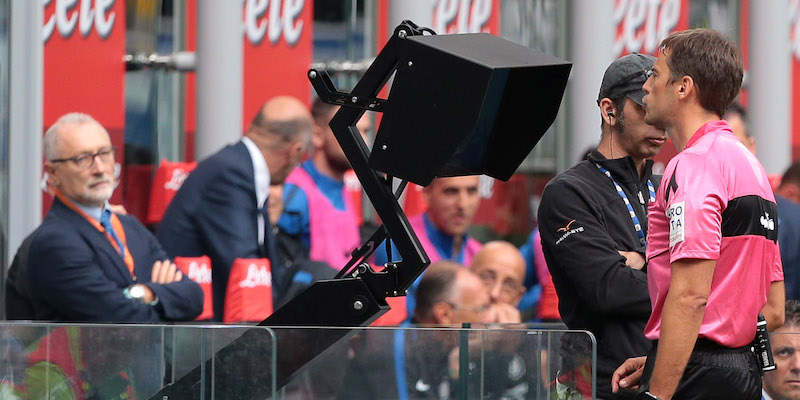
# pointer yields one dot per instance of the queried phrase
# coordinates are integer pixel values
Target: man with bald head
(221, 209)
(424, 364)
(501, 267)
(87, 263)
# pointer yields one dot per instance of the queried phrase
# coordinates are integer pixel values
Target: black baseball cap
(625, 77)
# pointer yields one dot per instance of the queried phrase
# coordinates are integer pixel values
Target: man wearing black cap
(593, 223)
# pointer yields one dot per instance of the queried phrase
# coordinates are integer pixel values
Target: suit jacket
(19, 305)
(75, 274)
(215, 214)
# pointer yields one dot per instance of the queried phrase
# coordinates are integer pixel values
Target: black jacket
(584, 223)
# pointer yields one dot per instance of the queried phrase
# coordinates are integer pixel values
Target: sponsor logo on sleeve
(676, 214)
(568, 231)
(767, 222)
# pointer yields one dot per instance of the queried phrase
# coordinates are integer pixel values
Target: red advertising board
(278, 37)
(84, 45)
(466, 16)
(641, 25)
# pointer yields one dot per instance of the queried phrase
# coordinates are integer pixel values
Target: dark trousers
(713, 372)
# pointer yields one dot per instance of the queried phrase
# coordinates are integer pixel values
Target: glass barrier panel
(501, 362)
(163, 362)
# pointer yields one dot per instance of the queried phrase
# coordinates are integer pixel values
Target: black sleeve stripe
(750, 215)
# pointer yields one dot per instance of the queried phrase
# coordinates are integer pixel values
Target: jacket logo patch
(568, 231)
(566, 228)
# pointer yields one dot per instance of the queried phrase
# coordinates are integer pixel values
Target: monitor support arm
(356, 297)
(396, 278)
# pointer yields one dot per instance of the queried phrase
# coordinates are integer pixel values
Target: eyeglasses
(87, 160)
(508, 286)
(648, 73)
(480, 309)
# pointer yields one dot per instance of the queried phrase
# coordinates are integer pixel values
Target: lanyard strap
(636, 225)
(400, 361)
(120, 242)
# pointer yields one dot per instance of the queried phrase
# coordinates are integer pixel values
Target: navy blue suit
(215, 214)
(75, 274)
(789, 240)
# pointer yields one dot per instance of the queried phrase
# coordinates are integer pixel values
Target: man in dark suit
(221, 210)
(87, 263)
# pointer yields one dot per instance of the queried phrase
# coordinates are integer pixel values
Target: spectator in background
(787, 196)
(593, 224)
(19, 305)
(790, 184)
(86, 263)
(300, 271)
(502, 269)
(221, 209)
(442, 229)
(540, 301)
(318, 209)
(783, 383)
(737, 119)
(418, 364)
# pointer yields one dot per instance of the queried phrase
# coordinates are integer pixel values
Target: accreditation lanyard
(636, 225)
(400, 360)
(118, 229)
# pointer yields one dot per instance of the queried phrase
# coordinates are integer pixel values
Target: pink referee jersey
(715, 203)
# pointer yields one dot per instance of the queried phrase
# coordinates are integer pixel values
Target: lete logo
(282, 19)
(65, 18)
(175, 182)
(462, 16)
(199, 272)
(642, 24)
(257, 276)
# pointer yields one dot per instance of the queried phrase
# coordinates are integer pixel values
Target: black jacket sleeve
(580, 252)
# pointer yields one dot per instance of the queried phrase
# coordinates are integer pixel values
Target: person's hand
(502, 313)
(165, 272)
(633, 259)
(628, 374)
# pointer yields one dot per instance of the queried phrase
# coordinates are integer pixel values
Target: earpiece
(610, 113)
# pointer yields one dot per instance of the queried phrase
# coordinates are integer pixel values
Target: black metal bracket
(357, 296)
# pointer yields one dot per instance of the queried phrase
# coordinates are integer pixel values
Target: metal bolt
(402, 34)
(394, 293)
(353, 99)
(384, 147)
(165, 398)
(358, 305)
(406, 292)
(410, 64)
(312, 74)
